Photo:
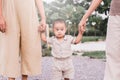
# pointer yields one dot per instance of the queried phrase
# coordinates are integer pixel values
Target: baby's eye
(61, 29)
(57, 29)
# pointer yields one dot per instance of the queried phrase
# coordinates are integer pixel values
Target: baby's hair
(58, 21)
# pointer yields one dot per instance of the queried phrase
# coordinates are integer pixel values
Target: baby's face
(59, 30)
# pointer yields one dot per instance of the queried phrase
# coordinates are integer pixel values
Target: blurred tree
(73, 10)
(67, 10)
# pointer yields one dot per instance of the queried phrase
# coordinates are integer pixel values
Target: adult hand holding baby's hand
(82, 25)
(42, 26)
(81, 31)
(2, 24)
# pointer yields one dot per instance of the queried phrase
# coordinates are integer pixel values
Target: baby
(61, 50)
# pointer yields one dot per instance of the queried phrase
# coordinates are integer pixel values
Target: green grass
(92, 38)
(95, 55)
(46, 52)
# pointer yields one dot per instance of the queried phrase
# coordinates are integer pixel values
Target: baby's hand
(42, 28)
(2, 25)
(81, 31)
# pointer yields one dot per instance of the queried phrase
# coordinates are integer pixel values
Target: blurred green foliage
(73, 10)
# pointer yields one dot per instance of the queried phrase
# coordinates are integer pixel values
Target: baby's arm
(79, 37)
(43, 37)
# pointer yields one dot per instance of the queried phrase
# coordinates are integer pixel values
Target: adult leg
(24, 77)
(30, 38)
(112, 71)
(10, 42)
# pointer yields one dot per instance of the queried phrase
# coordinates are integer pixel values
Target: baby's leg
(11, 78)
(68, 72)
(56, 70)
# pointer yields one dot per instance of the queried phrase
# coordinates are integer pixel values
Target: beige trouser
(112, 71)
(20, 47)
(62, 68)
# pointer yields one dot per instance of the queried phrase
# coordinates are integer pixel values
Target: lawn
(93, 38)
(95, 54)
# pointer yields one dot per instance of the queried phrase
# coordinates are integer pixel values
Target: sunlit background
(48, 1)
(72, 11)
